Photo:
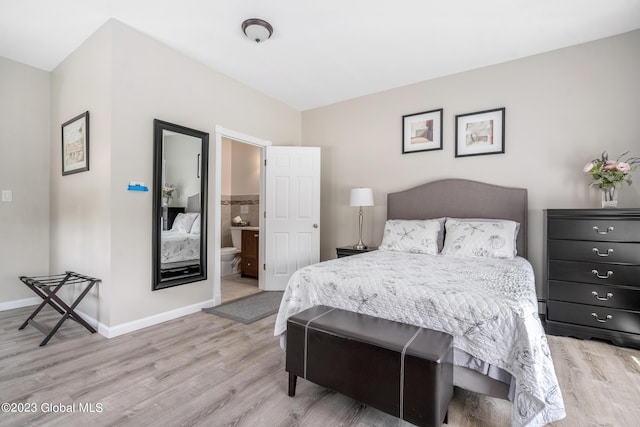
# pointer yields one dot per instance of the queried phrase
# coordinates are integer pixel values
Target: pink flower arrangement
(608, 174)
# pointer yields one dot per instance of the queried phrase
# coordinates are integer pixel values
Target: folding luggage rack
(47, 287)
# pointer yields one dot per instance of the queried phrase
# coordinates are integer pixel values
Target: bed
(180, 246)
(489, 305)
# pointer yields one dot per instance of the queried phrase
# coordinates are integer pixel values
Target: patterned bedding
(178, 246)
(488, 305)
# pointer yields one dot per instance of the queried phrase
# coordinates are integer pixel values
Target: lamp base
(360, 245)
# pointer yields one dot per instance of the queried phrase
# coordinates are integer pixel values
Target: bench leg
(292, 384)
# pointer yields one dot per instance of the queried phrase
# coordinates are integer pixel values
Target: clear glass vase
(610, 197)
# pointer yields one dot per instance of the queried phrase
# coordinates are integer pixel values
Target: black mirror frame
(158, 127)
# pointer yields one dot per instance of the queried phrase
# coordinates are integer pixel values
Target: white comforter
(178, 246)
(488, 305)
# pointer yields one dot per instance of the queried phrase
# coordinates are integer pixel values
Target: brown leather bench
(400, 369)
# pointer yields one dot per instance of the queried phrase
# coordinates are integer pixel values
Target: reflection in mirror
(179, 205)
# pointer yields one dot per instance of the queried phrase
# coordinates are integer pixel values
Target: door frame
(217, 200)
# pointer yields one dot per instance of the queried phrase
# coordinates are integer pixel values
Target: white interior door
(292, 213)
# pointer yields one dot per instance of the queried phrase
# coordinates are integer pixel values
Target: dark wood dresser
(171, 214)
(592, 274)
(250, 245)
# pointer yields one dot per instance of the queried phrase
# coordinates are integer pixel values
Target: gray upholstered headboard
(193, 203)
(461, 198)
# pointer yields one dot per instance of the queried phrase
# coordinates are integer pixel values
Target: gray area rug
(249, 309)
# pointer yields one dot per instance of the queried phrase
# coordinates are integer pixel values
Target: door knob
(315, 225)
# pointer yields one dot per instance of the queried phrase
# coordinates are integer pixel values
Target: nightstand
(349, 250)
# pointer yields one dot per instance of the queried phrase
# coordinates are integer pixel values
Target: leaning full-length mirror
(179, 205)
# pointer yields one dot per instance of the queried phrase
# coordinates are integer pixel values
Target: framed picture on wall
(75, 144)
(480, 133)
(422, 131)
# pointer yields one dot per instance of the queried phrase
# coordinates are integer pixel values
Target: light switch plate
(244, 209)
(7, 195)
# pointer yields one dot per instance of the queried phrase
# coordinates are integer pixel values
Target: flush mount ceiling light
(257, 30)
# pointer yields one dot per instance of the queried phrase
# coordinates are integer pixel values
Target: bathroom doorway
(289, 218)
(240, 219)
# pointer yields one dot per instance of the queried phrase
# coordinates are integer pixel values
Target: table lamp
(361, 197)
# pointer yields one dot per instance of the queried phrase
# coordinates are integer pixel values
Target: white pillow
(183, 222)
(195, 228)
(440, 233)
(415, 236)
(483, 238)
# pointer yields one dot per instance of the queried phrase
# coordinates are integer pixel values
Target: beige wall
(139, 79)
(180, 158)
(240, 184)
(245, 173)
(226, 148)
(563, 108)
(241, 168)
(24, 169)
(80, 217)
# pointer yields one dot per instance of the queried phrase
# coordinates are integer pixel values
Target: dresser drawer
(603, 252)
(600, 295)
(595, 272)
(594, 316)
(603, 230)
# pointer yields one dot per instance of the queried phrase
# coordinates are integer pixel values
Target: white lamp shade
(361, 197)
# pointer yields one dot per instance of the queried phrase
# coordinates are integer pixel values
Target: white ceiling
(322, 51)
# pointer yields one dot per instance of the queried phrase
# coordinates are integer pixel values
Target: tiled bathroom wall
(225, 218)
(232, 207)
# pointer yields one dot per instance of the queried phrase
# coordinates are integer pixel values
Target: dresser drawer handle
(597, 274)
(599, 298)
(597, 252)
(597, 230)
(609, 317)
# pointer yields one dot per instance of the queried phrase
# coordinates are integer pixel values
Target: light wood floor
(208, 371)
(234, 287)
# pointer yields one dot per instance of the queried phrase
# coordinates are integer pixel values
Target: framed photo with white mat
(480, 133)
(422, 131)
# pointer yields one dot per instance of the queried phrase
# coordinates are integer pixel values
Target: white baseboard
(19, 303)
(114, 331)
(124, 328)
